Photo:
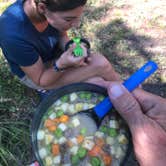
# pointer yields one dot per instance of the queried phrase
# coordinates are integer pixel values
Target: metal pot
(55, 95)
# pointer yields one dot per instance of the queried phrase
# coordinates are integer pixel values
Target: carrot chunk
(48, 123)
(96, 151)
(80, 138)
(64, 118)
(56, 120)
(55, 149)
(52, 128)
(107, 159)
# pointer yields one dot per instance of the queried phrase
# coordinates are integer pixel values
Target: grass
(11, 145)
(16, 107)
(127, 33)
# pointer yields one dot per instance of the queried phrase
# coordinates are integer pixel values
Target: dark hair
(62, 5)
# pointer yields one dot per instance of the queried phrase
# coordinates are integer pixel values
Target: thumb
(70, 50)
(125, 104)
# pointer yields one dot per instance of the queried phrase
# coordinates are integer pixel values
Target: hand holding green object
(78, 51)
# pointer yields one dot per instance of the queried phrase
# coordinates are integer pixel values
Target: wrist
(58, 66)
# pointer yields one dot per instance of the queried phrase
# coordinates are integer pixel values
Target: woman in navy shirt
(30, 32)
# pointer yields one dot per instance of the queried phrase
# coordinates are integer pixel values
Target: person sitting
(33, 35)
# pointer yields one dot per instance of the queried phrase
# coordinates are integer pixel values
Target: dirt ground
(144, 23)
(142, 27)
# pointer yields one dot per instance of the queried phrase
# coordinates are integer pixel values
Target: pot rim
(50, 99)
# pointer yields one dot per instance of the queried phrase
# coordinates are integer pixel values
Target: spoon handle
(131, 83)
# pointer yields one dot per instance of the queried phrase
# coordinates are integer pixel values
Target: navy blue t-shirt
(21, 43)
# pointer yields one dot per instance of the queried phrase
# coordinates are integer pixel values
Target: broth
(85, 122)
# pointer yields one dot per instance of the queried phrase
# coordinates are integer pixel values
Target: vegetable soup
(62, 141)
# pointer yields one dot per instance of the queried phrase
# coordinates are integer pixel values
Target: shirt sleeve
(19, 52)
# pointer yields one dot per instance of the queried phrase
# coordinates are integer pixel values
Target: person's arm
(48, 78)
(23, 54)
(144, 116)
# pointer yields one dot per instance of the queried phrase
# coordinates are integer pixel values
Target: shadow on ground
(126, 51)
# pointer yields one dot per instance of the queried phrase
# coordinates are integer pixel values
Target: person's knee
(101, 64)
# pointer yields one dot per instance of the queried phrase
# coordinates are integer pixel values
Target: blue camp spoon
(97, 113)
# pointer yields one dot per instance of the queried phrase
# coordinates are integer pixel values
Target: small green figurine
(78, 51)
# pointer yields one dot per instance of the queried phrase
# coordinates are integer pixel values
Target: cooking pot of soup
(58, 139)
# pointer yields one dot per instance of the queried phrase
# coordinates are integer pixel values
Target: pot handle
(131, 83)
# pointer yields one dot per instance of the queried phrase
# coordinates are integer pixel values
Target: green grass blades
(14, 140)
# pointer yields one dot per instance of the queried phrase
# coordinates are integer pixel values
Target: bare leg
(104, 68)
(98, 81)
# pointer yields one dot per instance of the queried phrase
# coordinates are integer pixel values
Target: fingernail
(116, 91)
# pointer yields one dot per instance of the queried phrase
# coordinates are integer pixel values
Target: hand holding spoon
(93, 117)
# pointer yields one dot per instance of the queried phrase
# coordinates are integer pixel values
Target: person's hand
(87, 54)
(67, 59)
(145, 115)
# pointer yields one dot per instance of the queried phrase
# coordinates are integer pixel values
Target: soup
(62, 141)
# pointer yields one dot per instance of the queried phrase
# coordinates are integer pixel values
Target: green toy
(78, 51)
